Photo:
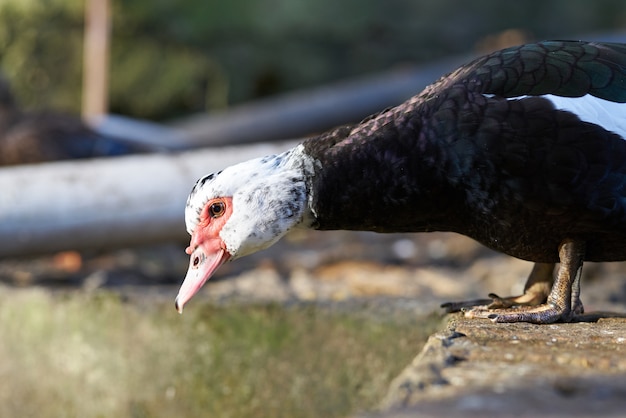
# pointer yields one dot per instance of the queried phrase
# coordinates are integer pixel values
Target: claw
(451, 307)
(563, 302)
(536, 292)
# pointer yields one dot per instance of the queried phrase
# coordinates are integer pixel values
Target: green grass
(81, 355)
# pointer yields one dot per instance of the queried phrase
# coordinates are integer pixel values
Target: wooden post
(96, 58)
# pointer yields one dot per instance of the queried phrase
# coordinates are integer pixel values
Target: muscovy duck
(28, 137)
(522, 150)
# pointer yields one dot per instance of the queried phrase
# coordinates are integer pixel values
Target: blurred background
(171, 59)
(316, 326)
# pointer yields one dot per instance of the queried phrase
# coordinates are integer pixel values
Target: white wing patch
(610, 115)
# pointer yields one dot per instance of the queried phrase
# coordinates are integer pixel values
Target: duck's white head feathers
(269, 197)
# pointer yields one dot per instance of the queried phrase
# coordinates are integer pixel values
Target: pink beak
(202, 265)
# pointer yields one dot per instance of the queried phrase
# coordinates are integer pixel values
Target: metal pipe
(104, 203)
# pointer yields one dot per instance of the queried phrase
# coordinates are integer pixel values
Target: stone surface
(476, 368)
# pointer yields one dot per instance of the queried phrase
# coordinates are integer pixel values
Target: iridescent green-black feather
(563, 68)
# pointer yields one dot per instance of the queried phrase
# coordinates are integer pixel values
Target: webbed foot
(563, 303)
(536, 292)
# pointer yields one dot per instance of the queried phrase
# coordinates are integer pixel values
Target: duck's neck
(380, 178)
(297, 168)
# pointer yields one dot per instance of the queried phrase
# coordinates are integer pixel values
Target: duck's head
(238, 211)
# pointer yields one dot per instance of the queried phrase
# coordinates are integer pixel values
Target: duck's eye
(217, 209)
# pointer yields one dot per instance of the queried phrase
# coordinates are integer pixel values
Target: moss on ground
(94, 355)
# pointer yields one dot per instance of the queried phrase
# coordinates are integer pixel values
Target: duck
(522, 150)
(46, 135)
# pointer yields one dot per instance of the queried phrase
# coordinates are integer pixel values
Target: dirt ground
(426, 269)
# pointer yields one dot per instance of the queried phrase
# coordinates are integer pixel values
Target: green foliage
(97, 356)
(40, 50)
(155, 81)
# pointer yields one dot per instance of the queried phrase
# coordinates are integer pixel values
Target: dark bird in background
(46, 135)
(522, 150)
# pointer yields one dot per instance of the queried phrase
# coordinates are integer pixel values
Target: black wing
(563, 68)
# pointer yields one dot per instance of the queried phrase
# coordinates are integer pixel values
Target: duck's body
(491, 174)
(28, 137)
(523, 150)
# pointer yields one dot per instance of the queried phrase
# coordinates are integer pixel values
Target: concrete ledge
(477, 368)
